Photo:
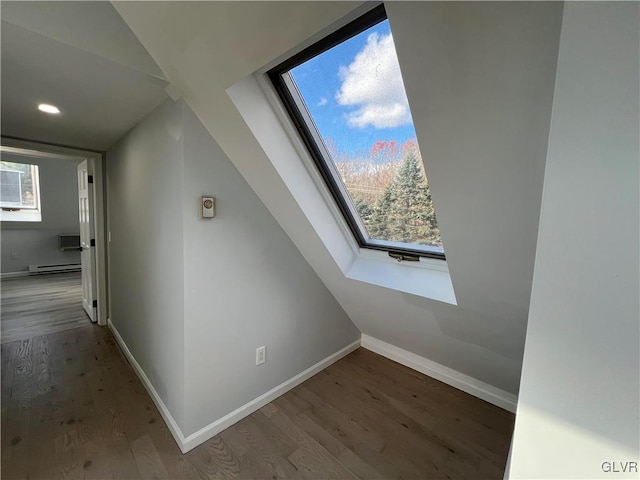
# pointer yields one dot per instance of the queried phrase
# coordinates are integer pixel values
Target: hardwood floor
(72, 407)
(41, 304)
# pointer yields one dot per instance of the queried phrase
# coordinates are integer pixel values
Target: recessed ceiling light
(46, 108)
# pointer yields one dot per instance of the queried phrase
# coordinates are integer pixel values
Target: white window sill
(20, 216)
(427, 278)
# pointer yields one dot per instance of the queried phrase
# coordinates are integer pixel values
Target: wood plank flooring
(40, 304)
(72, 407)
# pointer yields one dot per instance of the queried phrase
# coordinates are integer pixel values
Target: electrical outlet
(14, 256)
(261, 355)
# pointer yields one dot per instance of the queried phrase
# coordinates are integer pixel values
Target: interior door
(87, 257)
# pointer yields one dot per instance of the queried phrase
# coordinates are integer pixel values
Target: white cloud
(373, 84)
(323, 101)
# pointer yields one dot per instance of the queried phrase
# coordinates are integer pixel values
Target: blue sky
(354, 92)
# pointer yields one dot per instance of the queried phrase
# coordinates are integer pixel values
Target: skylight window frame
(302, 120)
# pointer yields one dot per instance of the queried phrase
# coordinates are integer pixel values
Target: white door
(87, 257)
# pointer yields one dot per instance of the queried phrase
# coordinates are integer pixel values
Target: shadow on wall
(503, 333)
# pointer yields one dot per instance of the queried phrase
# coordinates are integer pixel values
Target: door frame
(45, 150)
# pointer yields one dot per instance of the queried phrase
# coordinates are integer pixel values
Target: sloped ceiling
(81, 57)
(203, 48)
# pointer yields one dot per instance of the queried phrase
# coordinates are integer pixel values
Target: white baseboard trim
(24, 273)
(164, 411)
(188, 443)
(470, 385)
(238, 414)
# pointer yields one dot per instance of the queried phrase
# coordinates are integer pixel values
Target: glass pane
(17, 185)
(355, 95)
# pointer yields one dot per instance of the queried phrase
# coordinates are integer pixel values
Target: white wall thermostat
(208, 207)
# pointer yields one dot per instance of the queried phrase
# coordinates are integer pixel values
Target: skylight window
(346, 97)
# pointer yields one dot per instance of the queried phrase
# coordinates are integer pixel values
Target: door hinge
(92, 242)
(95, 304)
(90, 179)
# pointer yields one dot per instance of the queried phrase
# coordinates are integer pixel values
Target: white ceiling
(82, 57)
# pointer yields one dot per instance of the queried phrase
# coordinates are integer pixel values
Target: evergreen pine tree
(364, 210)
(379, 221)
(405, 212)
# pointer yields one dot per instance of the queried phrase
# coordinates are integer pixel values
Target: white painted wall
(194, 298)
(246, 285)
(579, 400)
(144, 195)
(479, 79)
(36, 243)
(484, 336)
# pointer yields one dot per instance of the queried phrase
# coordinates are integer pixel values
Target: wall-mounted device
(208, 207)
(69, 241)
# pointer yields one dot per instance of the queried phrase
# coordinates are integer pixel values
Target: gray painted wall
(144, 195)
(194, 298)
(36, 243)
(246, 285)
(579, 404)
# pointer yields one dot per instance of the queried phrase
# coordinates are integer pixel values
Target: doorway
(89, 194)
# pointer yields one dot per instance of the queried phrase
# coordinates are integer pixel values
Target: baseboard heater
(67, 267)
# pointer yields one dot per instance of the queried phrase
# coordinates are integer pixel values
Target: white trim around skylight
(259, 105)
